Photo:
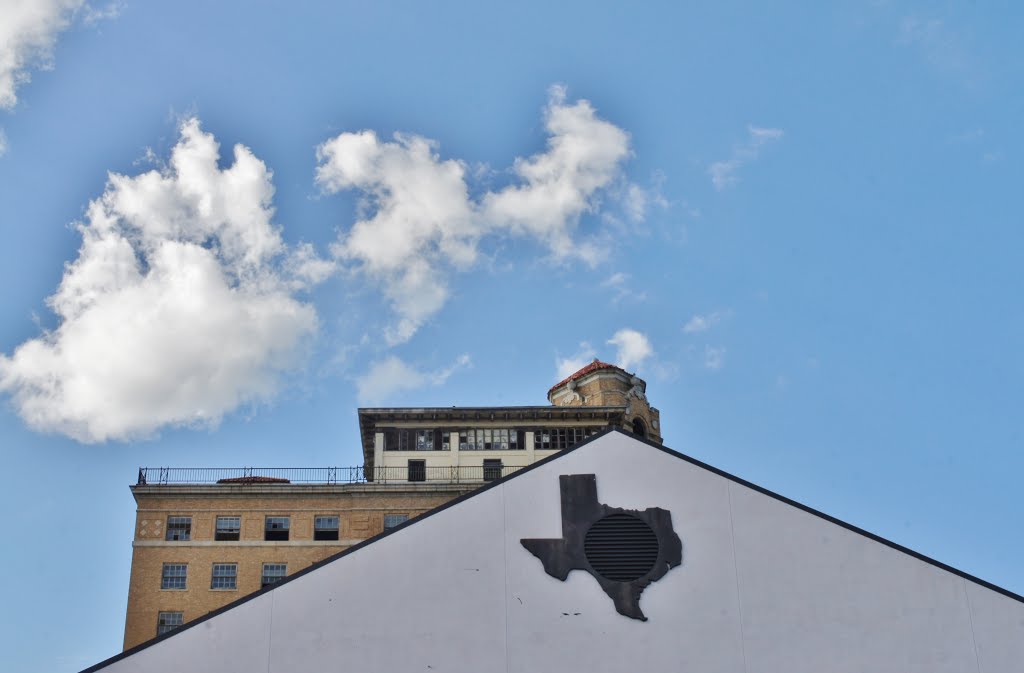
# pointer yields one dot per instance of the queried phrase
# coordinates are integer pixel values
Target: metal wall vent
(621, 547)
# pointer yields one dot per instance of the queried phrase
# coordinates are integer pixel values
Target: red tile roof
(254, 480)
(592, 367)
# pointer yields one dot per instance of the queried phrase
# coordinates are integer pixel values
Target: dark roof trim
(529, 468)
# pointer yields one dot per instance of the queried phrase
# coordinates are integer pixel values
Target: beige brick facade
(359, 507)
(415, 459)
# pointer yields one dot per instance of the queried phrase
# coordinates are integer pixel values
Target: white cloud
(566, 367)
(618, 282)
(418, 221)
(714, 357)
(723, 173)
(633, 348)
(178, 309)
(28, 32)
(702, 323)
(3, 142)
(392, 375)
(584, 154)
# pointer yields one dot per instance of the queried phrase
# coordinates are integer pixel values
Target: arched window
(639, 428)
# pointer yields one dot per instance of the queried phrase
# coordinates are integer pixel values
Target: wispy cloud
(418, 221)
(618, 283)
(3, 142)
(565, 367)
(702, 323)
(940, 45)
(714, 357)
(179, 308)
(724, 173)
(392, 375)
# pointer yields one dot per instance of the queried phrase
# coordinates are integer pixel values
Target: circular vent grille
(621, 547)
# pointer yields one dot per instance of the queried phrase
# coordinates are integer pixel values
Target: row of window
(483, 439)
(223, 575)
(229, 528)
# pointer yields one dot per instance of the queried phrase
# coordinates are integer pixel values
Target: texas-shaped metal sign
(624, 549)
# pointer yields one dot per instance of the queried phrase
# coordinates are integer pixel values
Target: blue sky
(799, 222)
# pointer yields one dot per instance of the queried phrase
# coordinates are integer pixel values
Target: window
(489, 439)
(557, 439)
(396, 439)
(638, 428)
(168, 621)
(225, 576)
(174, 576)
(273, 572)
(228, 528)
(325, 528)
(276, 528)
(417, 470)
(392, 520)
(179, 528)
(492, 469)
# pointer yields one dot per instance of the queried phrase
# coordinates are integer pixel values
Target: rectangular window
(392, 520)
(174, 576)
(225, 576)
(228, 528)
(276, 528)
(559, 439)
(489, 439)
(417, 470)
(273, 572)
(168, 621)
(396, 439)
(179, 528)
(325, 528)
(492, 469)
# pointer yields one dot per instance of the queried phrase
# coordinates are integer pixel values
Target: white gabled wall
(764, 588)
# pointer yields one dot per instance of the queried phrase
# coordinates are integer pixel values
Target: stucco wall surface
(764, 587)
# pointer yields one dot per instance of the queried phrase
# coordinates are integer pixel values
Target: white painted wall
(763, 588)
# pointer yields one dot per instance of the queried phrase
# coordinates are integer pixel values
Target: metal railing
(169, 476)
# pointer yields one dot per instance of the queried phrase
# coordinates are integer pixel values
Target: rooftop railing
(171, 476)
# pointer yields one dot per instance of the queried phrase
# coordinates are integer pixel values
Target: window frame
(224, 576)
(491, 439)
(414, 439)
(160, 616)
(218, 536)
(416, 470)
(175, 522)
(559, 438)
(325, 534)
(493, 469)
(167, 580)
(277, 578)
(277, 534)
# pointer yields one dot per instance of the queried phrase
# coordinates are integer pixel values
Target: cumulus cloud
(632, 348)
(566, 367)
(419, 222)
(28, 32)
(392, 375)
(723, 173)
(178, 309)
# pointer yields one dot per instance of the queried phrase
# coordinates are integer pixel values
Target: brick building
(205, 537)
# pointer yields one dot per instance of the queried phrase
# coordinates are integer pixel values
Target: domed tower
(600, 384)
